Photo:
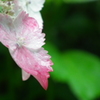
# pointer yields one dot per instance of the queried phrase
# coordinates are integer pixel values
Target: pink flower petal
(29, 29)
(23, 21)
(22, 27)
(30, 63)
(24, 40)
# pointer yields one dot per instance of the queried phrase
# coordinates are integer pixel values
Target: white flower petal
(25, 75)
(34, 5)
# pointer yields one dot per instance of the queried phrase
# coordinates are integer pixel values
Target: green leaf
(83, 73)
(79, 69)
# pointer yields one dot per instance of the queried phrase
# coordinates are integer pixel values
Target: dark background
(73, 40)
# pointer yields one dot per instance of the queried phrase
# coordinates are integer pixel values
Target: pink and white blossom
(24, 39)
(33, 8)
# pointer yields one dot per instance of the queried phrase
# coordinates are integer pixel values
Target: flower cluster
(21, 32)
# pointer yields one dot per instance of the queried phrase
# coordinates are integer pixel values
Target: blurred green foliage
(73, 40)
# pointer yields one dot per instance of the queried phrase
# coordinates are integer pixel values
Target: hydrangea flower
(24, 39)
(32, 7)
